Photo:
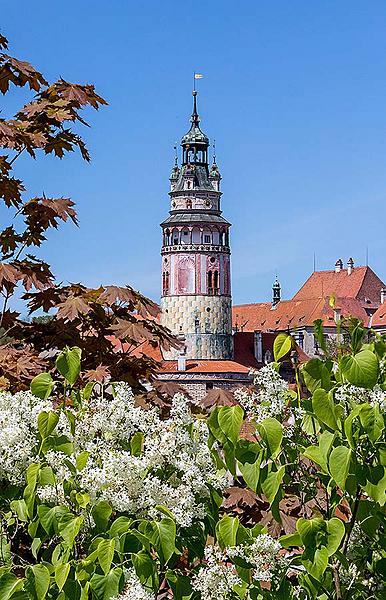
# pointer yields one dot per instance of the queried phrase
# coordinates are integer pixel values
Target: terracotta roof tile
(362, 283)
(205, 366)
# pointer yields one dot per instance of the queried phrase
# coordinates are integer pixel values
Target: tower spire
(195, 118)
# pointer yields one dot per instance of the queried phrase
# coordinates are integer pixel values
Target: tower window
(215, 283)
(165, 283)
(206, 239)
(210, 282)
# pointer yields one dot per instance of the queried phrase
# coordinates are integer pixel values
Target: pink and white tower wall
(196, 301)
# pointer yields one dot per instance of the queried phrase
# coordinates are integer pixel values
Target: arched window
(207, 236)
(210, 282)
(165, 283)
(216, 237)
(196, 236)
(186, 276)
(175, 237)
(215, 283)
(185, 236)
(189, 203)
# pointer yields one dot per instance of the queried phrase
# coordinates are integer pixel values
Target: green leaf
(136, 443)
(335, 531)
(101, 514)
(316, 375)
(308, 530)
(106, 586)
(372, 421)
(281, 346)
(360, 369)
(319, 334)
(49, 517)
(317, 567)
(106, 551)
(87, 390)
(377, 490)
(290, 539)
(81, 460)
(271, 485)
(61, 574)
(164, 538)
(251, 472)
(68, 364)
(271, 432)
(324, 408)
(146, 569)
(39, 580)
(230, 419)
(319, 454)
(42, 385)
(47, 422)
(226, 531)
(9, 585)
(69, 526)
(20, 508)
(339, 464)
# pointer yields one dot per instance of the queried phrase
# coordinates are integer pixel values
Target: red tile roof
(292, 314)
(362, 284)
(205, 366)
(354, 294)
(378, 320)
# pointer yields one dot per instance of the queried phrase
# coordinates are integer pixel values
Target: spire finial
(175, 154)
(195, 117)
(214, 151)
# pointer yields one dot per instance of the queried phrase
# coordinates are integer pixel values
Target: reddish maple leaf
(133, 330)
(72, 307)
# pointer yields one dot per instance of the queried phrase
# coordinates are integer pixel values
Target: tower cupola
(276, 292)
(195, 143)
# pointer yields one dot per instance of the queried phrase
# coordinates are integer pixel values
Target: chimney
(181, 363)
(350, 266)
(181, 360)
(338, 265)
(383, 295)
(337, 314)
(258, 345)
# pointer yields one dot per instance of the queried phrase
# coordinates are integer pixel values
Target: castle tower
(196, 283)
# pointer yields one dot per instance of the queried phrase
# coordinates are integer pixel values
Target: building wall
(205, 322)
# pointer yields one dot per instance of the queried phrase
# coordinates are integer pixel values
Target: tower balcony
(195, 248)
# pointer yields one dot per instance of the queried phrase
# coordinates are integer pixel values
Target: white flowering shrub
(280, 496)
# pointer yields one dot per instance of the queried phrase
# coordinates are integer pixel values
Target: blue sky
(294, 94)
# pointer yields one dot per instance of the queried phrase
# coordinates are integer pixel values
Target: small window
(206, 239)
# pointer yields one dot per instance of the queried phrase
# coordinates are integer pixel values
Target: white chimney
(181, 363)
(338, 265)
(383, 295)
(350, 266)
(337, 314)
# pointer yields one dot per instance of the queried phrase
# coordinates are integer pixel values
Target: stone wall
(205, 322)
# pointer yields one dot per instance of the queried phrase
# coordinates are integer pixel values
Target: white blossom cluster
(347, 393)
(173, 468)
(18, 431)
(134, 590)
(262, 555)
(218, 578)
(270, 397)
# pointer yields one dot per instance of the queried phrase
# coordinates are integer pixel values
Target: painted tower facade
(196, 298)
